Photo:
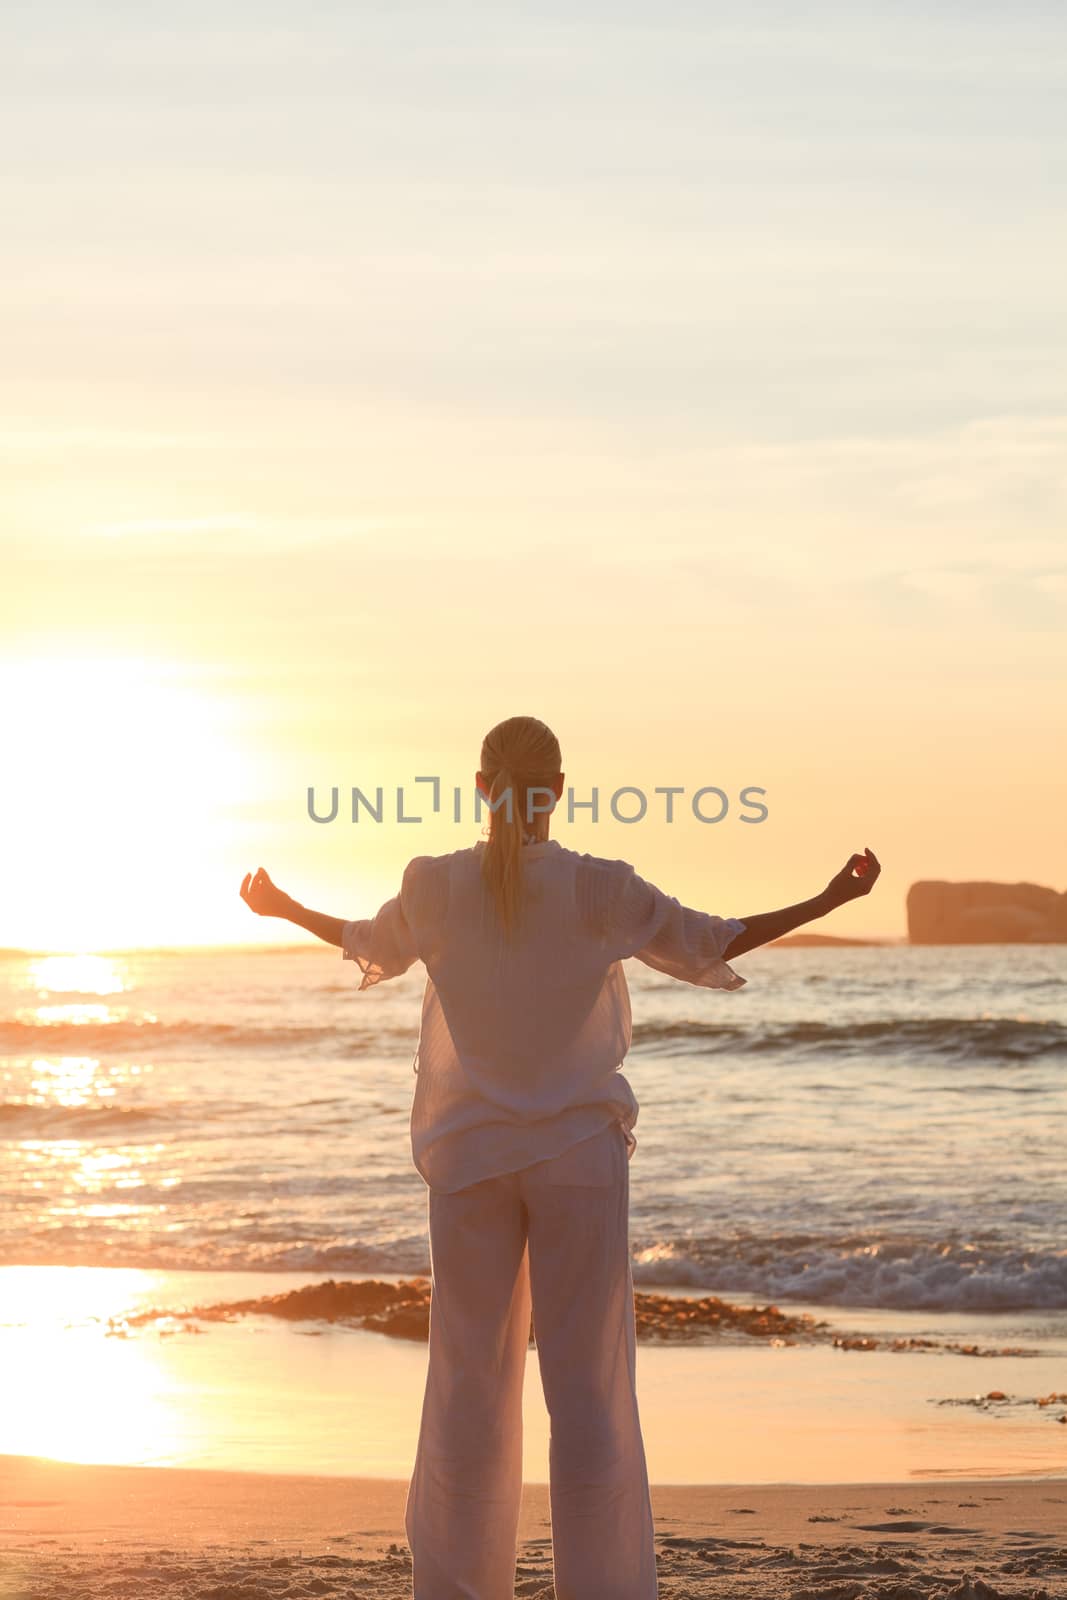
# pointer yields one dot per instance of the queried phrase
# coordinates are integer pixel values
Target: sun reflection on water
(76, 974)
(76, 1013)
(64, 987)
(72, 1081)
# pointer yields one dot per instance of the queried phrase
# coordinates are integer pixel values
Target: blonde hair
(517, 755)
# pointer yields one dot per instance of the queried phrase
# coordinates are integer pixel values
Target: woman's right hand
(263, 896)
(857, 877)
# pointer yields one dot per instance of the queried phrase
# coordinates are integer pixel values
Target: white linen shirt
(521, 1043)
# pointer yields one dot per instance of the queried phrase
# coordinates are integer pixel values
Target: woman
(522, 1128)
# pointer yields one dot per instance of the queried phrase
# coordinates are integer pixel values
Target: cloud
(171, 525)
(52, 441)
(990, 593)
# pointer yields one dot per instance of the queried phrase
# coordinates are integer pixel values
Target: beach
(91, 1532)
(273, 1436)
(846, 1233)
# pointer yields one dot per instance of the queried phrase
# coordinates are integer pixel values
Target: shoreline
(396, 1304)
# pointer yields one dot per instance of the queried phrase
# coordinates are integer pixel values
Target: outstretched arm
(267, 900)
(857, 877)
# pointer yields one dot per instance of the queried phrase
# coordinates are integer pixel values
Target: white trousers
(553, 1238)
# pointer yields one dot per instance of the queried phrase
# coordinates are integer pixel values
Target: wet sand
(73, 1532)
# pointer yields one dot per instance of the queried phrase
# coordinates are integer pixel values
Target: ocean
(870, 1127)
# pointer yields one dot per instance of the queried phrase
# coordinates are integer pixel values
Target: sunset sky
(690, 377)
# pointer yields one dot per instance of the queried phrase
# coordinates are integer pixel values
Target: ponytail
(502, 864)
(517, 755)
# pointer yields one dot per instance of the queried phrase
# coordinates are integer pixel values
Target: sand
(73, 1532)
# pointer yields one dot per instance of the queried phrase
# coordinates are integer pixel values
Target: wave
(899, 1273)
(21, 1119)
(902, 1273)
(70, 1246)
(17, 1036)
(951, 1038)
(948, 1038)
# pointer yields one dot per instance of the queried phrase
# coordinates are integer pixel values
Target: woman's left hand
(857, 877)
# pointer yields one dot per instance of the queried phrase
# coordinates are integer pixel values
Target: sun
(123, 780)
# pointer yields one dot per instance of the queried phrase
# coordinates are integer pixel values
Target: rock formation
(985, 913)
